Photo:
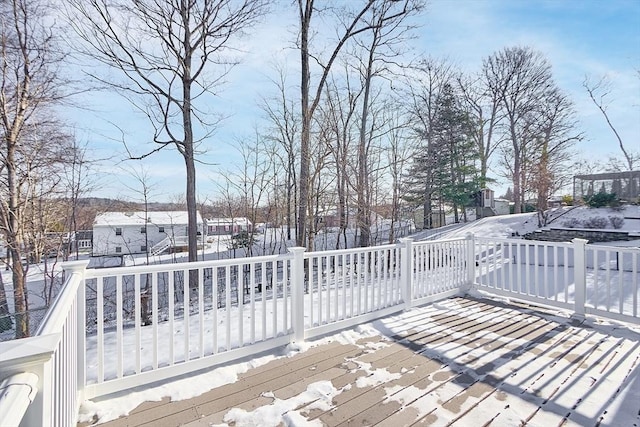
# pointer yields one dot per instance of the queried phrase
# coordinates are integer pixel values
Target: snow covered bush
(572, 223)
(595, 222)
(616, 222)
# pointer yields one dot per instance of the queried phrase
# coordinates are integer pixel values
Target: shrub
(602, 199)
(567, 199)
(572, 223)
(616, 222)
(595, 222)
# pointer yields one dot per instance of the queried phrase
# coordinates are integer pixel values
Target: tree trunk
(5, 320)
(364, 208)
(303, 195)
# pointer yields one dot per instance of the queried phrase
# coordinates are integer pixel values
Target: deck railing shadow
(560, 336)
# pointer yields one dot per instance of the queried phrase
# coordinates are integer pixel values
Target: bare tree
(380, 48)
(339, 111)
(79, 181)
(520, 76)
(171, 55)
(398, 153)
(353, 26)
(557, 135)
(145, 187)
(30, 82)
(484, 105)
(284, 129)
(599, 92)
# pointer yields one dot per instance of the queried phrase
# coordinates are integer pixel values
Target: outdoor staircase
(161, 246)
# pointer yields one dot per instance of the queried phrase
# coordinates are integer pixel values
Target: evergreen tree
(443, 169)
(453, 130)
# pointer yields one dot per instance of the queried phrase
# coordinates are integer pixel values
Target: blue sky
(578, 37)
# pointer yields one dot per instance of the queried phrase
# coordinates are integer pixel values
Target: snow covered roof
(139, 218)
(224, 221)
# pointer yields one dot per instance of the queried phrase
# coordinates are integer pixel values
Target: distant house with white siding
(228, 226)
(125, 233)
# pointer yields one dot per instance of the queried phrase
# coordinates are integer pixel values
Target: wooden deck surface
(461, 362)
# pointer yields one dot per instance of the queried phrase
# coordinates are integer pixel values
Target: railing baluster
(216, 305)
(555, 273)
(634, 285)
(274, 296)
(264, 299)
(172, 331)
(565, 251)
(327, 282)
(137, 322)
(100, 325)
(343, 275)
(227, 321)
(620, 267)
(596, 279)
(252, 303)
(607, 267)
(154, 317)
(186, 303)
(200, 311)
(119, 329)
(240, 292)
(336, 283)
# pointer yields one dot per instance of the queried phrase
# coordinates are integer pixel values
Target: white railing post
(297, 294)
(580, 276)
(70, 268)
(471, 260)
(406, 271)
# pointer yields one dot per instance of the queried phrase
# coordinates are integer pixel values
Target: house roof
(139, 218)
(226, 221)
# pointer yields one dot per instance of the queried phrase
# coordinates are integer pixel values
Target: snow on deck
(460, 362)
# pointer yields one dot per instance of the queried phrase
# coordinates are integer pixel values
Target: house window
(118, 231)
(118, 249)
(143, 248)
(161, 229)
(143, 230)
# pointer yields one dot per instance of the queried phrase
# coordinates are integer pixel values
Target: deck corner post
(406, 271)
(580, 276)
(471, 261)
(297, 294)
(70, 269)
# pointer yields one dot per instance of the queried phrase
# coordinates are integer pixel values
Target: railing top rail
(523, 242)
(16, 394)
(432, 242)
(623, 249)
(350, 250)
(181, 266)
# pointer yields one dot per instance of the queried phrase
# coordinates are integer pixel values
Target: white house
(222, 226)
(123, 233)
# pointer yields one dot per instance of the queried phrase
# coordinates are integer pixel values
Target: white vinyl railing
(55, 355)
(588, 279)
(149, 323)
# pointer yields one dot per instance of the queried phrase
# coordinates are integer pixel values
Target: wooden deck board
(480, 363)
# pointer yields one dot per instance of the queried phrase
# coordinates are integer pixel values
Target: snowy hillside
(628, 219)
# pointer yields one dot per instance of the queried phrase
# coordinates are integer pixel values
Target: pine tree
(443, 169)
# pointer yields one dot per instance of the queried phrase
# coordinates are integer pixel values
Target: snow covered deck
(462, 361)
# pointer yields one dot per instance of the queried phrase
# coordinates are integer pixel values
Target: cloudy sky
(578, 37)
